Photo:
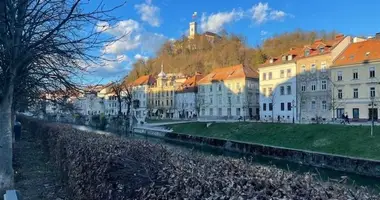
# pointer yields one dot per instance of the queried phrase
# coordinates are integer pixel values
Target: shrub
(98, 166)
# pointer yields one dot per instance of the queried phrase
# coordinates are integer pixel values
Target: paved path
(166, 123)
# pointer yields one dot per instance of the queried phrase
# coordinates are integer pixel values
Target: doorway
(372, 112)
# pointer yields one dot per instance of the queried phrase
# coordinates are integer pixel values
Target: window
(282, 106)
(167, 102)
(219, 87)
(211, 100)
(303, 69)
(229, 100)
(312, 68)
(220, 99)
(289, 73)
(270, 106)
(324, 105)
(264, 106)
(289, 106)
(303, 87)
(210, 88)
(237, 111)
(313, 105)
(264, 76)
(282, 73)
(321, 49)
(356, 93)
(355, 113)
(307, 53)
(211, 112)
(355, 74)
(270, 75)
(313, 87)
(372, 72)
(324, 85)
(340, 94)
(323, 66)
(220, 111)
(282, 90)
(283, 58)
(289, 90)
(270, 91)
(339, 76)
(372, 92)
(171, 102)
(229, 111)
(264, 91)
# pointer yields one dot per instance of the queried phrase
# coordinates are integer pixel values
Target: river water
(322, 173)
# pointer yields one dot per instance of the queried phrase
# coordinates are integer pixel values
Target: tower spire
(162, 66)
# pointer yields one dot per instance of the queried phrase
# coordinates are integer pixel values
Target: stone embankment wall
(337, 162)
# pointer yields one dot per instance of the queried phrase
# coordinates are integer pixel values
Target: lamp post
(372, 113)
(293, 106)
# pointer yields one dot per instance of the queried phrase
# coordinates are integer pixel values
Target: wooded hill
(200, 55)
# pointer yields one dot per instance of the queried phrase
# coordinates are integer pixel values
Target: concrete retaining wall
(341, 163)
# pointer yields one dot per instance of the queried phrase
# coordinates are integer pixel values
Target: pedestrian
(347, 120)
(343, 119)
(278, 118)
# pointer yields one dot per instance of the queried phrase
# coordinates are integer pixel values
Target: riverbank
(117, 168)
(326, 138)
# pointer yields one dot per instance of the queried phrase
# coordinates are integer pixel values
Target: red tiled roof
(190, 84)
(328, 45)
(360, 52)
(227, 73)
(295, 52)
(144, 80)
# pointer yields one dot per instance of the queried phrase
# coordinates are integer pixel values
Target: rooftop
(144, 80)
(321, 47)
(295, 52)
(360, 52)
(228, 73)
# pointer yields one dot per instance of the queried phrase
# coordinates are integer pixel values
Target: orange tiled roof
(144, 80)
(190, 84)
(295, 52)
(360, 52)
(328, 45)
(227, 73)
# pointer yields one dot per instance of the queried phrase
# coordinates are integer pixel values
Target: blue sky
(151, 22)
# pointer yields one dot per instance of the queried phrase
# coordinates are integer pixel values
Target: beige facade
(354, 87)
(314, 85)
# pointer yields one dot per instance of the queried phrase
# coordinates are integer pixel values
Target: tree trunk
(6, 170)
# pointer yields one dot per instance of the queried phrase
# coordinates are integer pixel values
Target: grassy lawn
(160, 120)
(336, 139)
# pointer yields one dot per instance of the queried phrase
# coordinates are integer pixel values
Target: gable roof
(228, 73)
(360, 52)
(190, 84)
(328, 45)
(295, 52)
(144, 80)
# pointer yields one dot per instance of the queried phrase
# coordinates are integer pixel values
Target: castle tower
(192, 30)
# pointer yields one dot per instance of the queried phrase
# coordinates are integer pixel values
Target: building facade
(314, 85)
(355, 74)
(229, 93)
(278, 88)
(140, 98)
(186, 97)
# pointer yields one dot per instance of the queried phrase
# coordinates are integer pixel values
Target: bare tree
(49, 41)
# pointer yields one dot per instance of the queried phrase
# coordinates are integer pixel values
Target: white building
(278, 88)
(185, 98)
(140, 90)
(229, 93)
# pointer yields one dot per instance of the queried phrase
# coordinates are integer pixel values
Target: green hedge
(96, 166)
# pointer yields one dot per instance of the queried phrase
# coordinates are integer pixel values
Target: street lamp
(293, 106)
(372, 113)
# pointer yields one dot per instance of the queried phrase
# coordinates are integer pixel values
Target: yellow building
(314, 86)
(355, 74)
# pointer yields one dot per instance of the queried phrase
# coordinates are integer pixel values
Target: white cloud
(216, 22)
(132, 37)
(261, 13)
(263, 33)
(149, 13)
(139, 56)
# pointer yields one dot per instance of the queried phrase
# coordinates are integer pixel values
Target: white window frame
(313, 68)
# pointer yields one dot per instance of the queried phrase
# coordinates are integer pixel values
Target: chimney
(377, 36)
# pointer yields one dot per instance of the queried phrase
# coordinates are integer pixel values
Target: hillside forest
(200, 55)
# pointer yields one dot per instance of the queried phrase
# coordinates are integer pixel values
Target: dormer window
(271, 60)
(283, 58)
(290, 57)
(307, 52)
(321, 49)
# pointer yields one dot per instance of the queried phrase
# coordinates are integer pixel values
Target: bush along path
(100, 167)
(35, 177)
